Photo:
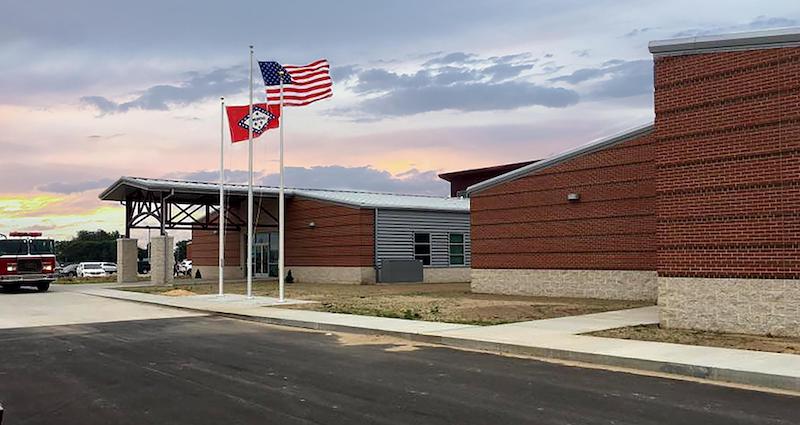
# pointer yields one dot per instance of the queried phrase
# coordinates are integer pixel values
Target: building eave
(593, 146)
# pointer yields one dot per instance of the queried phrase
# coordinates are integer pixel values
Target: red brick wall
(343, 236)
(728, 164)
(205, 248)
(528, 223)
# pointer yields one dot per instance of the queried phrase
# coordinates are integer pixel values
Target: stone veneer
(446, 275)
(212, 272)
(159, 261)
(344, 275)
(605, 284)
(756, 306)
(127, 260)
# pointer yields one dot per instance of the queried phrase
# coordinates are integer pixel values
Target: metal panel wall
(395, 234)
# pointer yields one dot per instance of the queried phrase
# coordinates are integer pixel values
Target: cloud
(74, 187)
(638, 31)
(456, 81)
(102, 137)
(459, 58)
(613, 79)
(758, 23)
(195, 88)
(335, 177)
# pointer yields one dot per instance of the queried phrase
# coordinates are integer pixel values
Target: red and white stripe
(311, 83)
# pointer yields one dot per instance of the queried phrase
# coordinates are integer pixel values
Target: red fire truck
(27, 260)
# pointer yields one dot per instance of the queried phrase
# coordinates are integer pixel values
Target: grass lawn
(107, 279)
(709, 339)
(447, 302)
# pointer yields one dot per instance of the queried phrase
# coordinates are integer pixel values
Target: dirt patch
(178, 293)
(705, 338)
(448, 302)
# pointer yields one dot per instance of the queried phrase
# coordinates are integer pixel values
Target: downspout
(164, 231)
(375, 245)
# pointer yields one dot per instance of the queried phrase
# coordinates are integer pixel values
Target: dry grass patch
(449, 302)
(705, 338)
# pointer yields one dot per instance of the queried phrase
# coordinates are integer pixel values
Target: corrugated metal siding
(395, 234)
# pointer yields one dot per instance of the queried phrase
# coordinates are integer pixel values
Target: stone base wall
(159, 261)
(446, 275)
(343, 275)
(212, 272)
(605, 284)
(127, 261)
(753, 306)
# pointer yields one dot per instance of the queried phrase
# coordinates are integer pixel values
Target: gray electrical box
(396, 271)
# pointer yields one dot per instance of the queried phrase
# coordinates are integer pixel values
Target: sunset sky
(93, 90)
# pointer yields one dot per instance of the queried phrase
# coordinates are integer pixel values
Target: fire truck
(26, 260)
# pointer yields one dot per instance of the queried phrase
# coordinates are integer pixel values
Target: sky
(94, 90)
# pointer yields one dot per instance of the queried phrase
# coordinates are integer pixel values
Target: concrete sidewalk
(551, 338)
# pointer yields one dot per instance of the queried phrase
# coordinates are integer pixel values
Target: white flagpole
(250, 188)
(281, 206)
(221, 232)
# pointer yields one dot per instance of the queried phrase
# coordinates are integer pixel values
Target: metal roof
(119, 189)
(590, 147)
(785, 37)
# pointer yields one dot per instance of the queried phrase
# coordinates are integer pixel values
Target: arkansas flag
(264, 117)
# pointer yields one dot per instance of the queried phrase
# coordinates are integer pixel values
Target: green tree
(180, 250)
(98, 245)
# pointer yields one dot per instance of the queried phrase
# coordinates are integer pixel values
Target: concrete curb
(722, 375)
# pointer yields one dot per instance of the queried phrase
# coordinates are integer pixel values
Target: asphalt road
(208, 370)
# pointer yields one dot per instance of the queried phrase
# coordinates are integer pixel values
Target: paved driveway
(64, 305)
(209, 370)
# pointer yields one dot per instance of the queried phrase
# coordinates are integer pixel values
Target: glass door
(265, 255)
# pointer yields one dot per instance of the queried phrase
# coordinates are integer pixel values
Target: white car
(91, 270)
(110, 268)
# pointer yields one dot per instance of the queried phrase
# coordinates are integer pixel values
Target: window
(422, 248)
(456, 249)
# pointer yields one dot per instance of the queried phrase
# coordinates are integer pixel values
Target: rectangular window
(422, 248)
(456, 249)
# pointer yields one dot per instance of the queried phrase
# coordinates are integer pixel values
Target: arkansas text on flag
(301, 84)
(264, 117)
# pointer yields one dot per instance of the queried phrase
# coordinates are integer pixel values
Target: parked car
(110, 268)
(69, 270)
(93, 269)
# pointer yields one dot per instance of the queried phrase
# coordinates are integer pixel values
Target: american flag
(301, 84)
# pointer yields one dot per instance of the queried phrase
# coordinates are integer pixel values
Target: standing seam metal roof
(590, 147)
(356, 198)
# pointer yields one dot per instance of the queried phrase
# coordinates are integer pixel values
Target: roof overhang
(190, 192)
(126, 188)
(786, 37)
(590, 147)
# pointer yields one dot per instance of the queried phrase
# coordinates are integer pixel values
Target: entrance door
(265, 254)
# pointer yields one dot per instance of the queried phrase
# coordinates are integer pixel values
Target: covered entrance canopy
(176, 204)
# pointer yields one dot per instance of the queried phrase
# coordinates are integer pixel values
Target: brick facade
(728, 164)
(205, 248)
(342, 236)
(528, 223)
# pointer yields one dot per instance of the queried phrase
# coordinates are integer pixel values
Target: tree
(180, 250)
(98, 245)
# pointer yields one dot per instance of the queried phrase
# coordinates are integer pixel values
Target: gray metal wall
(395, 234)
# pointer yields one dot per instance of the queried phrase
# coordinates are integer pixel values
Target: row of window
(422, 248)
